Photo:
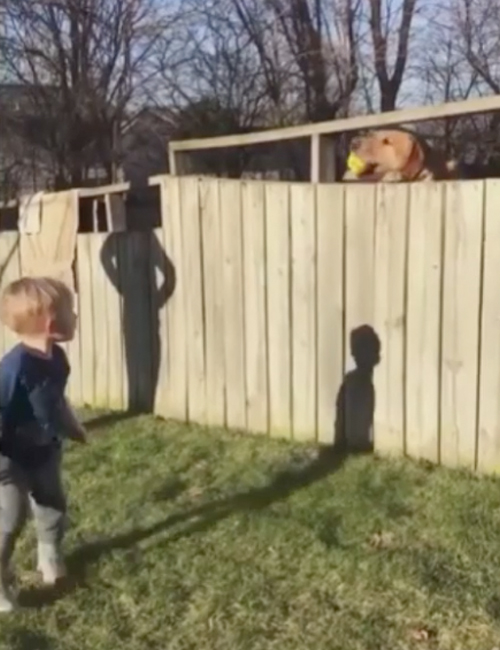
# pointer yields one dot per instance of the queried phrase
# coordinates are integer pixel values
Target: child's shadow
(133, 270)
(355, 406)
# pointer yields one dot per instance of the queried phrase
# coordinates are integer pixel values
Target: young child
(35, 417)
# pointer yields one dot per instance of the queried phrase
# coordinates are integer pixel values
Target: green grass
(185, 539)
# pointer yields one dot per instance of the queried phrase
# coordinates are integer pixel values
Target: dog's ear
(415, 162)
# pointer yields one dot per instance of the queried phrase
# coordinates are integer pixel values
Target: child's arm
(54, 415)
(73, 428)
(50, 407)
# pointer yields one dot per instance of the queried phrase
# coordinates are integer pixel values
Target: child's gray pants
(38, 489)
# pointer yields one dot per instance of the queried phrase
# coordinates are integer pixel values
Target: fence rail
(286, 308)
(472, 106)
(321, 135)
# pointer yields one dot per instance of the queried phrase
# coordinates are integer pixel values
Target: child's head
(39, 307)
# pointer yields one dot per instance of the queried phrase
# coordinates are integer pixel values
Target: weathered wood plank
(278, 308)
(214, 299)
(356, 400)
(330, 308)
(176, 390)
(304, 373)
(425, 268)
(460, 323)
(390, 298)
(193, 287)
(10, 270)
(86, 318)
(234, 326)
(165, 273)
(255, 307)
(100, 325)
(488, 452)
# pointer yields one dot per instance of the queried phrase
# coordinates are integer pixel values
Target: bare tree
(477, 27)
(390, 25)
(476, 31)
(84, 64)
(216, 66)
(307, 50)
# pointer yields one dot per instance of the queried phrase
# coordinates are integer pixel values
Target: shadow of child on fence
(355, 406)
(135, 277)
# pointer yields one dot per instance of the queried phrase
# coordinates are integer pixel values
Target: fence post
(322, 159)
(179, 162)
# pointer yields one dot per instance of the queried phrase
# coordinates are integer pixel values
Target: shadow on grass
(195, 520)
(108, 419)
(23, 639)
(353, 430)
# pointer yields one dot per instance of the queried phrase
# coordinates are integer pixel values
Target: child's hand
(78, 434)
(74, 429)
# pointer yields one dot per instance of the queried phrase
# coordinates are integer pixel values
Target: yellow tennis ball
(356, 164)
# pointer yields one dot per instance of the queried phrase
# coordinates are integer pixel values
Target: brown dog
(397, 155)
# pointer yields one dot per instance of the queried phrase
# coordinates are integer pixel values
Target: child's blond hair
(26, 301)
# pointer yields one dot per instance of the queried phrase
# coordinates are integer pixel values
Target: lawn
(184, 538)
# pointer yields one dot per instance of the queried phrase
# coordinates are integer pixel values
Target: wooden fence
(245, 308)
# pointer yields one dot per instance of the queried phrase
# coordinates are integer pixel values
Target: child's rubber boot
(50, 563)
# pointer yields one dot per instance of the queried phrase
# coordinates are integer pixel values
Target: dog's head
(381, 152)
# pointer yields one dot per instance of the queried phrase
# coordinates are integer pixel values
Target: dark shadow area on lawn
(107, 420)
(355, 404)
(194, 520)
(23, 639)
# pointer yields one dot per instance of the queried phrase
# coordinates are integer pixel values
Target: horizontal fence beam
(83, 193)
(391, 118)
(102, 190)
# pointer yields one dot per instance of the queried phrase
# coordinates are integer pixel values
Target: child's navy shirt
(31, 396)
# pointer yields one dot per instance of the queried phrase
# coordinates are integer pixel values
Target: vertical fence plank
(163, 279)
(176, 390)
(138, 308)
(360, 240)
(425, 266)
(330, 308)
(255, 307)
(234, 327)
(460, 324)
(126, 271)
(214, 300)
(278, 308)
(121, 261)
(73, 350)
(86, 318)
(390, 307)
(116, 367)
(161, 405)
(100, 320)
(356, 401)
(488, 453)
(303, 233)
(10, 261)
(10, 270)
(193, 287)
